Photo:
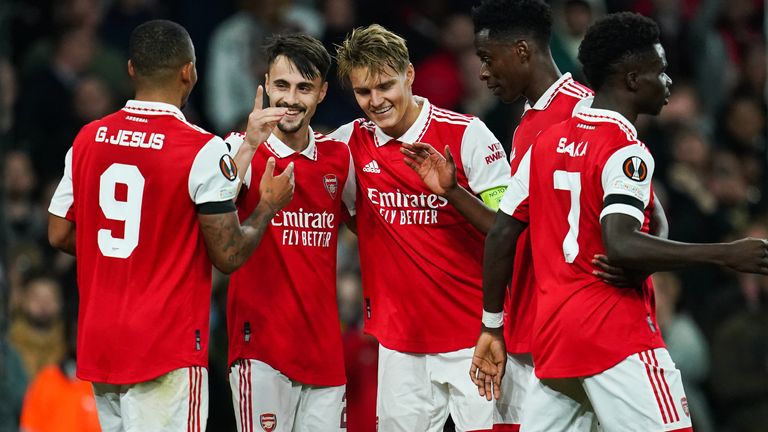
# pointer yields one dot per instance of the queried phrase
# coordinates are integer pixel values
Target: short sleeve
(63, 197)
(343, 133)
(515, 200)
(213, 177)
(626, 179)
(233, 141)
(483, 157)
(348, 194)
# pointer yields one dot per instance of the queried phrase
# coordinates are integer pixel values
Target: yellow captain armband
(492, 197)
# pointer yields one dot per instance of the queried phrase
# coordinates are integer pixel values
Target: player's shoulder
(445, 116)
(355, 129)
(326, 142)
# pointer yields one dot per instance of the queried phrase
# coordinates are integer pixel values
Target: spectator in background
(740, 355)
(37, 332)
(13, 385)
(92, 100)
(687, 347)
(235, 62)
(24, 221)
(47, 93)
(121, 17)
(439, 76)
(572, 19)
(57, 401)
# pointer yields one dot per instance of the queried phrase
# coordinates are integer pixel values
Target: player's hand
(489, 363)
(617, 276)
(437, 171)
(262, 121)
(276, 191)
(749, 255)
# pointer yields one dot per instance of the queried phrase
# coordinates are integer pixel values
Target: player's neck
(543, 74)
(409, 118)
(297, 141)
(612, 101)
(158, 95)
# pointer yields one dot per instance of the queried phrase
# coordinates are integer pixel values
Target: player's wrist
(493, 320)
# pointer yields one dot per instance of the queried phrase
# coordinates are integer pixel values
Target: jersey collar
(601, 115)
(549, 95)
(281, 149)
(153, 108)
(417, 129)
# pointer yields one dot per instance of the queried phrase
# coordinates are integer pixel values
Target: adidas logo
(372, 167)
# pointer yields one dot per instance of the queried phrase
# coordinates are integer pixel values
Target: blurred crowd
(63, 64)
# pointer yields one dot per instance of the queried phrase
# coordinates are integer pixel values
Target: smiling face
(288, 88)
(386, 98)
(504, 66)
(653, 83)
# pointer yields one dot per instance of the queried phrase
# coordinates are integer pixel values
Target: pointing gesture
(261, 121)
(276, 191)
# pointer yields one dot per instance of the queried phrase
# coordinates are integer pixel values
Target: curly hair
(506, 19)
(307, 53)
(613, 40)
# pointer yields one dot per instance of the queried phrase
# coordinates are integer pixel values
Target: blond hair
(373, 47)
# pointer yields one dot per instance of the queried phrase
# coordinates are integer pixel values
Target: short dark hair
(615, 39)
(158, 47)
(507, 19)
(307, 53)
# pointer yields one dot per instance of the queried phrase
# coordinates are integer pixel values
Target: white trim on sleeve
(207, 180)
(484, 160)
(343, 133)
(517, 191)
(64, 196)
(623, 209)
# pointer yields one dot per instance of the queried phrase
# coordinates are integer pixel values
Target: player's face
(653, 84)
(288, 88)
(386, 98)
(501, 68)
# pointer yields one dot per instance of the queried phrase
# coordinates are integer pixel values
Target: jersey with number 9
(132, 184)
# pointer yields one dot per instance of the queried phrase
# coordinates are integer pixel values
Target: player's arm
(61, 231)
(229, 244)
(627, 278)
(439, 174)
(626, 182)
(490, 356)
(261, 123)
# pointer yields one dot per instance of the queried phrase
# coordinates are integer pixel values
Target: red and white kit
(133, 183)
(577, 172)
(421, 260)
(284, 331)
(554, 106)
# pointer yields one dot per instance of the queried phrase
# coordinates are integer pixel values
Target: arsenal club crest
(268, 422)
(331, 184)
(684, 403)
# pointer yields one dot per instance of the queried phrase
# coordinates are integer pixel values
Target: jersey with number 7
(577, 172)
(133, 183)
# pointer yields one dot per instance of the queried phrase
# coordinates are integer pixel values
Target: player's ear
(410, 74)
(266, 83)
(131, 70)
(631, 79)
(523, 50)
(188, 73)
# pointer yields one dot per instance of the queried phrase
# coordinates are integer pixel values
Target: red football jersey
(282, 302)
(421, 261)
(554, 106)
(581, 170)
(131, 183)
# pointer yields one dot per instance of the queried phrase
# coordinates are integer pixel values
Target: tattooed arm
(229, 243)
